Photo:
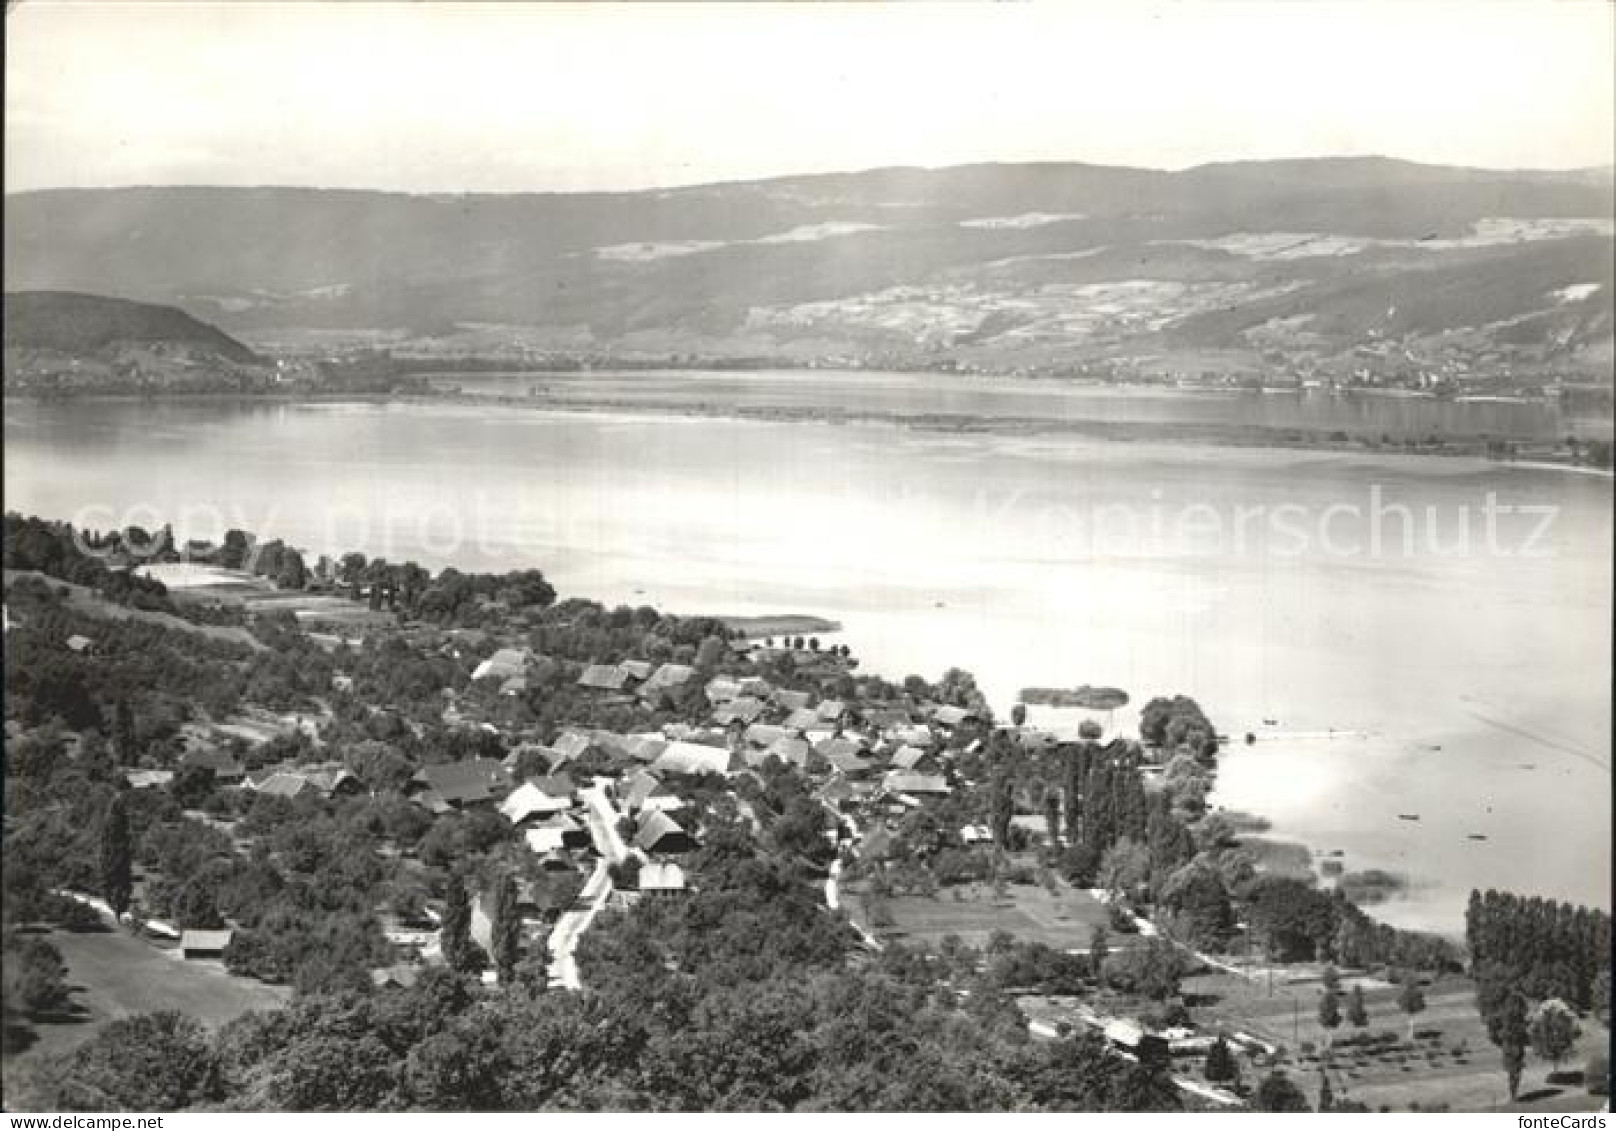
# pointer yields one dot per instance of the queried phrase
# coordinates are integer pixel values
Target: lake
(1427, 635)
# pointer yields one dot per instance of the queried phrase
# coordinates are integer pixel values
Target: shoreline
(1214, 435)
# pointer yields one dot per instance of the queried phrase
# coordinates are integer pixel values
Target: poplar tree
(117, 858)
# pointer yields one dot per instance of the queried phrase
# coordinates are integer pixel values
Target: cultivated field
(1449, 1062)
(194, 581)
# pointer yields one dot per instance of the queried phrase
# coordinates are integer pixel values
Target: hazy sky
(440, 97)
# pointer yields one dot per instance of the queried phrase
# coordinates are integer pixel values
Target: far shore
(781, 624)
(1217, 435)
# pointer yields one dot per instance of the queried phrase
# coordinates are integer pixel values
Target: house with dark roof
(790, 700)
(804, 718)
(830, 710)
(793, 751)
(763, 734)
(848, 763)
(954, 717)
(885, 718)
(840, 744)
(660, 834)
(745, 709)
(226, 769)
(666, 682)
(571, 744)
(645, 748)
(459, 785)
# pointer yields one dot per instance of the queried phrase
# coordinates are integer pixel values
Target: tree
(123, 733)
(1278, 1093)
(1513, 1038)
(1326, 1093)
(146, 1062)
(533, 971)
(1221, 1066)
(1124, 867)
(1018, 715)
(1331, 978)
(1330, 1014)
(1411, 999)
(1099, 947)
(1357, 1011)
(233, 553)
(507, 938)
(292, 574)
(1153, 970)
(710, 654)
(117, 858)
(1554, 1030)
(455, 934)
(1003, 806)
(35, 976)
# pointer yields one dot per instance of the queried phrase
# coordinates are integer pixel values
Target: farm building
(204, 944)
(662, 878)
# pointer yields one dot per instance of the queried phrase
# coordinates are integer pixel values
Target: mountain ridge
(1029, 266)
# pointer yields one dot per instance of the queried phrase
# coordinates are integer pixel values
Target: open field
(113, 975)
(1064, 921)
(196, 581)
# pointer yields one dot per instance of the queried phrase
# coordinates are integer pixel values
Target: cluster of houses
(853, 754)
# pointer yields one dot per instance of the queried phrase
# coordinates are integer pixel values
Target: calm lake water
(1458, 650)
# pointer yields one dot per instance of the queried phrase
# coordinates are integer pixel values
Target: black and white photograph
(807, 558)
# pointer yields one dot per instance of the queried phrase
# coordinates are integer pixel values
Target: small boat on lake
(1478, 836)
(1408, 816)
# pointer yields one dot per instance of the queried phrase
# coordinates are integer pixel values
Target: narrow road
(571, 926)
(601, 816)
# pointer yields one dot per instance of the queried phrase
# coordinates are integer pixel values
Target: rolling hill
(66, 341)
(82, 324)
(1329, 264)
